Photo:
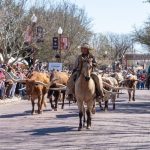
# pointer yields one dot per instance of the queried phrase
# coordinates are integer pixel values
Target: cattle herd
(40, 85)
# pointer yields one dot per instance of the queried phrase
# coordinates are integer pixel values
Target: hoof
(52, 107)
(105, 110)
(55, 109)
(93, 110)
(79, 128)
(39, 111)
(84, 125)
(88, 127)
(33, 113)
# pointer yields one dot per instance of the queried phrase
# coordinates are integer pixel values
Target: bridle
(89, 66)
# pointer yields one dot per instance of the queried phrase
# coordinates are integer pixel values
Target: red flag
(64, 43)
(28, 35)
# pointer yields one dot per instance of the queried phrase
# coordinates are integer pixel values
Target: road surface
(128, 127)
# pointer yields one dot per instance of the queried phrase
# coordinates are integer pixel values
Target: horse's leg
(84, 119)
(88, 112)
(80, 107)
(88, 119)
(93, 109)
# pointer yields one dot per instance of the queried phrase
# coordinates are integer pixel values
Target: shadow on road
(137, 108)
(47, 131)
(67, 115)
(15, 115)
(129, 108)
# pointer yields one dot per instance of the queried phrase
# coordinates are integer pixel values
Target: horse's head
(87, 68)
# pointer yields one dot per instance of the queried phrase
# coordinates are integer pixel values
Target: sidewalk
(10, 100)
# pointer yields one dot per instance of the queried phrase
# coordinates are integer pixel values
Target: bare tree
(74, 22)
(111, 47)
(11, 29)
(15, 17)
(120, 44)
(142, 35)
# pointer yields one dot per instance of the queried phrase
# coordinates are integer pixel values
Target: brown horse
(85, 92)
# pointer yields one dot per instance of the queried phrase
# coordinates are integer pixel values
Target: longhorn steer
(58, 83)
(131, 84)
(36, 88)
(110, 95)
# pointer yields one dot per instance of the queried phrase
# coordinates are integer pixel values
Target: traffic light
(55, 43)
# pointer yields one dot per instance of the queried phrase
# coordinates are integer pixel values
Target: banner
(55, 66)
(55, 43)
(28, 35)
(64, 43)
(39, 34)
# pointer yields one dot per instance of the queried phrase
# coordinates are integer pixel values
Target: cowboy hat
(85, 45)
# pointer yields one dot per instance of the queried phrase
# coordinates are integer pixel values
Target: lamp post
(106, 53)
(33, 27)
(33, 24)
(60, 31)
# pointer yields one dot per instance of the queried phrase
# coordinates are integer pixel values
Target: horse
(85, 93)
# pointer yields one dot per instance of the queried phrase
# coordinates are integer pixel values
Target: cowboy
(85, 53)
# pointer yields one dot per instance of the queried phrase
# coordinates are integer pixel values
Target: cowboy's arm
(76, 65)
(94, 62)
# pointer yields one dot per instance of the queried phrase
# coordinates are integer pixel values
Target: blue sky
(117, 16)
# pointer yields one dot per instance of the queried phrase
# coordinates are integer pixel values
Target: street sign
(55, 66)
(39, 34)
(55, 43)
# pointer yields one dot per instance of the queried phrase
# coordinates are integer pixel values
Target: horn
(54, 79)
(41, 83)
(116, 88)
(111, 92)
(21, 81)
(61, 85)
(138, 80)
(11, 76)
(57, 89)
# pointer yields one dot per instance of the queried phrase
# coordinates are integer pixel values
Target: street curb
(7, 101)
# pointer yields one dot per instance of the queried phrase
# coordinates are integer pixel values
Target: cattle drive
(84, 85)
(70, 81)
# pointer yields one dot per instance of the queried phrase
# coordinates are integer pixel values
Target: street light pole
(33, 26)
(60, 31)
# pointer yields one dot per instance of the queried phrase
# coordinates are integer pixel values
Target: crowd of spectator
(144, 80)
(8, 87)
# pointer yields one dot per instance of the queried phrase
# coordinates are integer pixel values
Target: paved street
(128, 127)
